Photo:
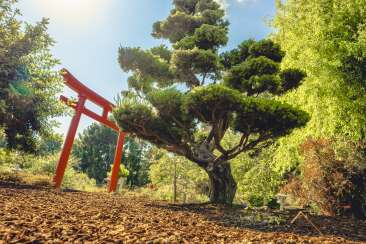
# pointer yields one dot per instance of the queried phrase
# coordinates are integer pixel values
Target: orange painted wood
(117, 162)
(66, 150)
(79, 87)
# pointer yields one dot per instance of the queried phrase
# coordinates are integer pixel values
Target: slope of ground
(34, 215)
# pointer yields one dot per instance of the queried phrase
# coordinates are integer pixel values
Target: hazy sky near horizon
(88, 34)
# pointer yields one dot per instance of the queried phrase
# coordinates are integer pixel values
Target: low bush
(333, 177)
(26, 179)
(24, 168)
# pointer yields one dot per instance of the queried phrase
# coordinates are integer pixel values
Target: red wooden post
(62, 163)
(117, 162)
(87, 94)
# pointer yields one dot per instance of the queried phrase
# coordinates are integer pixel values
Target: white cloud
(247, 1)
(225, 3)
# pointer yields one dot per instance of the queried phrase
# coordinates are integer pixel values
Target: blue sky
(89, 32)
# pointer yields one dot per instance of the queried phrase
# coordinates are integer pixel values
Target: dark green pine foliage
(186, 97)
(96, 147)
(135, 160)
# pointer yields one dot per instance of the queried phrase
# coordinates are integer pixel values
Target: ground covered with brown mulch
(29, 215)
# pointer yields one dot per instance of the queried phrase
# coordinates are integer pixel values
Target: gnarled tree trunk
(222, 184)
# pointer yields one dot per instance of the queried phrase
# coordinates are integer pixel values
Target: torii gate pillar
(117, 163)
(66, 150)
(84, 95)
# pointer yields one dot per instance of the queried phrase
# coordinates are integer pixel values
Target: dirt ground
(29, 215)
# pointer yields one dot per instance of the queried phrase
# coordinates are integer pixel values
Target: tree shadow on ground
(273, 220)
(23, 186)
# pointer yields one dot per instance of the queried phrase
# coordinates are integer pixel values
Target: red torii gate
(84, 94)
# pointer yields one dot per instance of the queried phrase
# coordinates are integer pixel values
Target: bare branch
(250, 145)
(210, 136)
(203, 79)
(192, 78)
(224, 125)
(200, 115)
(217, 139)
(243, 140)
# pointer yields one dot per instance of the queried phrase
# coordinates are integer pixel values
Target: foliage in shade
(29, 85)
(216, 91)
(333, 178)
(2, 138)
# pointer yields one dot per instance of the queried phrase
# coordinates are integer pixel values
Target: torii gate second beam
(84, 94)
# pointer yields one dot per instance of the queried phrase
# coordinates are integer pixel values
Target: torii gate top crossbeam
(80, 88)
(90, 95)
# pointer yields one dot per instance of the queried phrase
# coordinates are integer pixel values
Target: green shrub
(26, 178)
(259, 185)
(8, 159)
(2, 138)
(31, 169)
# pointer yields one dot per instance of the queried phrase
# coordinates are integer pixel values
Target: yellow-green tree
(171, 173)
(327, 39)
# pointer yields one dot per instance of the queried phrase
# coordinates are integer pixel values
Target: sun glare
(71, 4)
(75, 11)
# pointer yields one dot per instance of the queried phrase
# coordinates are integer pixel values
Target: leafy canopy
(28, 83)
(185, 97)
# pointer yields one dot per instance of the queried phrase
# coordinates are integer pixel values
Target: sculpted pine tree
(186, 97)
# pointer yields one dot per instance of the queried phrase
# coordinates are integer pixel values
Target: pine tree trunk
(222, 184)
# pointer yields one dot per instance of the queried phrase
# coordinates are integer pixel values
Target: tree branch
(243, 140)
(203, 79)
(250, 145)
(224, 125)
(210, 136)
(191, 78)
(217, 139)
(185, 129)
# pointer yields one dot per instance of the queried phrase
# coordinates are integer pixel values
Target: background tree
(95, 148)
(136, 161)
(234, 90)
(191, 180)
(28, 82)
(327, 40)
(49, 144)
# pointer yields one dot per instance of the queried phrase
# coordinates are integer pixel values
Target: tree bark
(222, 184)
(175, 183)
